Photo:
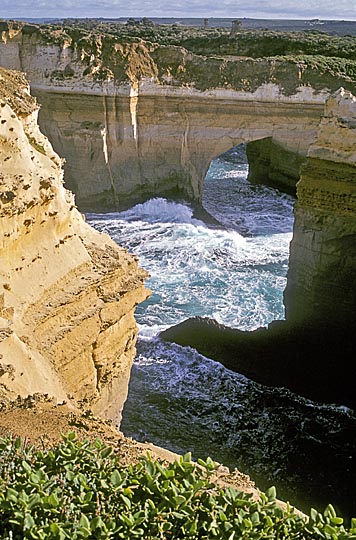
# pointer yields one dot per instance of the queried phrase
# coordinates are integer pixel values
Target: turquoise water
(235, 274)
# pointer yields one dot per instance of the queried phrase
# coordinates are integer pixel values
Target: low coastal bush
(264, 43)
(80, 490)
(204, 41)
(336, 67)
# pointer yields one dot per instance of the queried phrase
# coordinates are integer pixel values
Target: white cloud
(302, 9)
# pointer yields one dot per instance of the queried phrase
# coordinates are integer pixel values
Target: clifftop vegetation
(206, 41)
(201, 58)
(81, 490)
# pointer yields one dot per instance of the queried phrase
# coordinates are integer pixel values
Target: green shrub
(80, 490)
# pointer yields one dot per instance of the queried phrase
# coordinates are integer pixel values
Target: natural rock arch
(312, 352)
(163, 145)
(178, 136)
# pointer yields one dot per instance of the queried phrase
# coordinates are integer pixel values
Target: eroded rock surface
(67, 292)
(321, 284)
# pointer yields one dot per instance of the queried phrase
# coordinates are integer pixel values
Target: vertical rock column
(321, 285)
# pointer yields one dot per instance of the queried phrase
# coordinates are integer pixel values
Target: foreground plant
(80, 490)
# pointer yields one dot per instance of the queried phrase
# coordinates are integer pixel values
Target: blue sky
(291, 9)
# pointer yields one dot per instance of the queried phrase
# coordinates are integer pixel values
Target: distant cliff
(135, 118)
(67, 293)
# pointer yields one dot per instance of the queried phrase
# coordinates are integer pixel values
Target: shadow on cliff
(315, 361)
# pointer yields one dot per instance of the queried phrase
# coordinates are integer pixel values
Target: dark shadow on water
(311, 461)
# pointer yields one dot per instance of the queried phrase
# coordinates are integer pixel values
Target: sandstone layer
(321, 284)
(67, 293)
(137, 119)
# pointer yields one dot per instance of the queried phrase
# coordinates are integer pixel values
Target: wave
(183, 401)
(163, 211)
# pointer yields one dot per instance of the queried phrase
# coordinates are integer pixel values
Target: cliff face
(271, 163)
(321, 284)
(67, 293)
(137, 119)
(121, 150)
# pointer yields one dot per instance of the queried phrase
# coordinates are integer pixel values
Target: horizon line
(55, 17)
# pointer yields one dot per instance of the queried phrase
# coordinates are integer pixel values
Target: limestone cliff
(273, 164)
(67, 293)
(321, 284)
(135, 119)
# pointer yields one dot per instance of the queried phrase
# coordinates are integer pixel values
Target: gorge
(136, 120)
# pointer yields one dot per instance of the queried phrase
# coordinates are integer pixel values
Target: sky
(274, 9)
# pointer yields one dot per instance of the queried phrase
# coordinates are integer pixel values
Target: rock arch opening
(262, 217)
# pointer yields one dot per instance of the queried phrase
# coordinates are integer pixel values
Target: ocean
(236, 274)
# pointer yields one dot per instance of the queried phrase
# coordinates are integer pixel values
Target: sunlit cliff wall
(321, 277)
(67, 293)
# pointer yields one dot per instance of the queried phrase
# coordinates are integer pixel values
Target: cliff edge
(67, 292)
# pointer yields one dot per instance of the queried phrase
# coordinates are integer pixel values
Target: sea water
(234, 273)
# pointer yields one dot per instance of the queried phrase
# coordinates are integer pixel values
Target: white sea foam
(160, 210)
(197, 270)
(178, 398)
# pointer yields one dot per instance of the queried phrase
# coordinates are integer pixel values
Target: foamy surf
(183, 401)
